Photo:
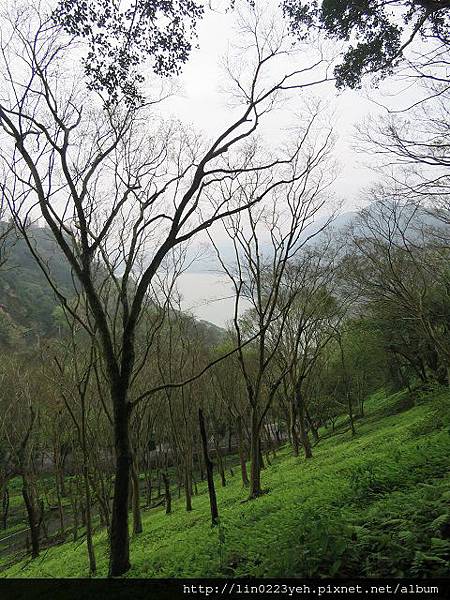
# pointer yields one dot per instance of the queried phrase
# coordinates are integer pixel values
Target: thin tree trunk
(209, 471)
(188, 480)
(74, 503)
(312, 426)
(5, 505)
(60, 506)
(220, 463)
(149, 491)
(241, 450)
(30, 505)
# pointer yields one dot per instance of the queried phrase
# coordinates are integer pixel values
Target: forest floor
(376, 504)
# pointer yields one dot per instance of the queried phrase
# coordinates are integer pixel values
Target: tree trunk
(188, 481)
(230, 444)
(136, 505)
(167, 493)
(241, 450)
(149, 491)
(30, 504)
(220, 463)
(102, 499)
(293, 427)
(74, 504)
(255, 457)
(119, 562)
(62, 482)
(5, 505)
(88, 514)
(312, 426)
(209, 471)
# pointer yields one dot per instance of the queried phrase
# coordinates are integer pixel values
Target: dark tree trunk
(188, 484)
(167, 493)
(241, 449)
(119, 535)
(159, 484)
(255, 457)
(5, 506)
(209, 471)
(33, 520)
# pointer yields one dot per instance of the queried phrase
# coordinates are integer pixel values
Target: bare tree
(265, 240)
(411, 152)
(307, 330)
(114, 192)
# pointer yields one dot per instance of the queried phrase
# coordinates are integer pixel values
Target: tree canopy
(377, 31)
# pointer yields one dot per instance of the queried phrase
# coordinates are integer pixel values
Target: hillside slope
(375, 505)
(28, 304)
(25, 294)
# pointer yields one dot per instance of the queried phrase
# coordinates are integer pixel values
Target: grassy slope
(377, 504)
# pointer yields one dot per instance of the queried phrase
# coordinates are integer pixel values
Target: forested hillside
(25, 294)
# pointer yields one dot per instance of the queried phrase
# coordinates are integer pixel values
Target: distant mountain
(409, 217)
(27, 301)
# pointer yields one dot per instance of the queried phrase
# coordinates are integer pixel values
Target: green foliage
(379, 34)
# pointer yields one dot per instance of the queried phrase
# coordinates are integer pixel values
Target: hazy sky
(202, 104)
